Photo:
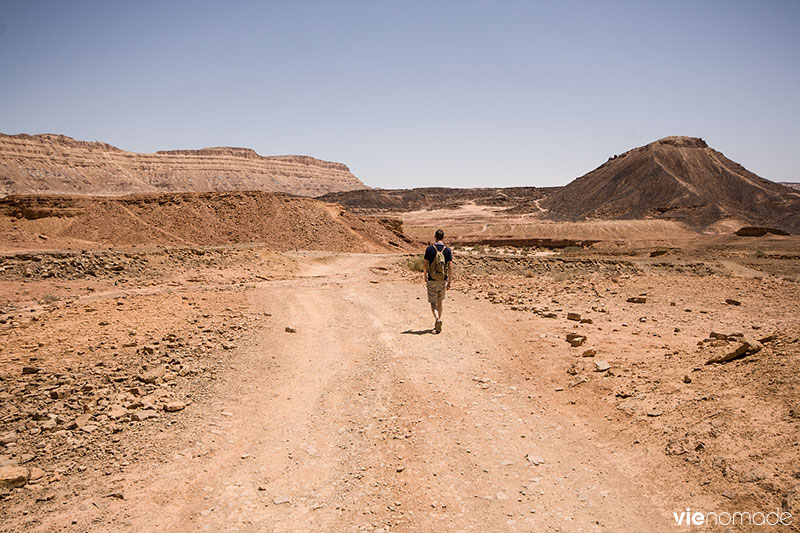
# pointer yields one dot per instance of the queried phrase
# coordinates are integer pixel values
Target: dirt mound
(191, 219)
(58, 164)
(679, 178)
(400, 200)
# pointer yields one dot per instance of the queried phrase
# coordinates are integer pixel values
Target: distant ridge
(792, 184)
(48, 163)
(679, 178)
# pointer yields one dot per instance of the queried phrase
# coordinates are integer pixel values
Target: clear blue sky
(412, 93)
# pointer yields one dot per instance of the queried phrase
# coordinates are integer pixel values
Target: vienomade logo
(735, 518)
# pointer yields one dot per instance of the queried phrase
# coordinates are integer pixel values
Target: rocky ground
(694, 360)
(103, 349)
(234, 388)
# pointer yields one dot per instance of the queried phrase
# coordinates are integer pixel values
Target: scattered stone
(116, 412)
(153, 375)
(280, 500)
(288, 329)
(535, 460)
(655, 412)
(577, 381)
(36, 474)
(743, 347)
(590, 353)
(8, 438)
(575, 340)
(12, 477)
(637, 299)
(687, 379)
(677, 447)
(26, 370)
(601, 366)
(115, 495)
(730, 494)
(171, 407)
(752, 475)
(574, 316)
(144, 414)
(731, 301)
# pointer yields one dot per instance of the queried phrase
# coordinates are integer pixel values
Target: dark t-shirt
(430, 255)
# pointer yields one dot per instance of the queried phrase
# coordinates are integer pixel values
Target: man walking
(438, 275)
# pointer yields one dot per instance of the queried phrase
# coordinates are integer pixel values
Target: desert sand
(253, 361)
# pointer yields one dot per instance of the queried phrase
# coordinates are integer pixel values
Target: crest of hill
(56, 164)
(678, 178)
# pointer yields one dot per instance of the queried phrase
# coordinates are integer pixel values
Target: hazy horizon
(455, 94)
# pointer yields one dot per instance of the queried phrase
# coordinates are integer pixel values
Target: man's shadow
(417, 332)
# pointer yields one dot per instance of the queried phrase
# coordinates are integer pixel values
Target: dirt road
(365, 420)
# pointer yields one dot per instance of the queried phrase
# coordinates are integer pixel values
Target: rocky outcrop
(56, 164)
(755, 231)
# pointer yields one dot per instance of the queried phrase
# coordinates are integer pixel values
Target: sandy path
(363, 420)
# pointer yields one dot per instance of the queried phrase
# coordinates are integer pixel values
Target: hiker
(438, 275)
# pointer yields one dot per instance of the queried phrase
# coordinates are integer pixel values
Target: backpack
(437, 266)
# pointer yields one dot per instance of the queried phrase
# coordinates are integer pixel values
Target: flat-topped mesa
(49, 163)
(231, 151)
(249, 153)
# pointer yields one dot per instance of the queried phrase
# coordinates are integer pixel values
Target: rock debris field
(235, 388)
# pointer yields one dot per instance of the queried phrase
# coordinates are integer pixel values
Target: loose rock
(171, 407)
(12, 477)
(601, 366)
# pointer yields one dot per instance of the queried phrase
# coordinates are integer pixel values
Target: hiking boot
(438, 326)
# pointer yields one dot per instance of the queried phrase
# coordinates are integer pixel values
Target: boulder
(740, 349)
(153, 375)
(12, 477)
(144, 414)
(8, 438)
(601, 366)
(171, 407)
(575, 340)
(116, 411)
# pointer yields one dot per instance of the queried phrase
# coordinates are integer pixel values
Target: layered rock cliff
(50, 163)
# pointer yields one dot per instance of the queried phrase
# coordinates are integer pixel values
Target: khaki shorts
(436, 290)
